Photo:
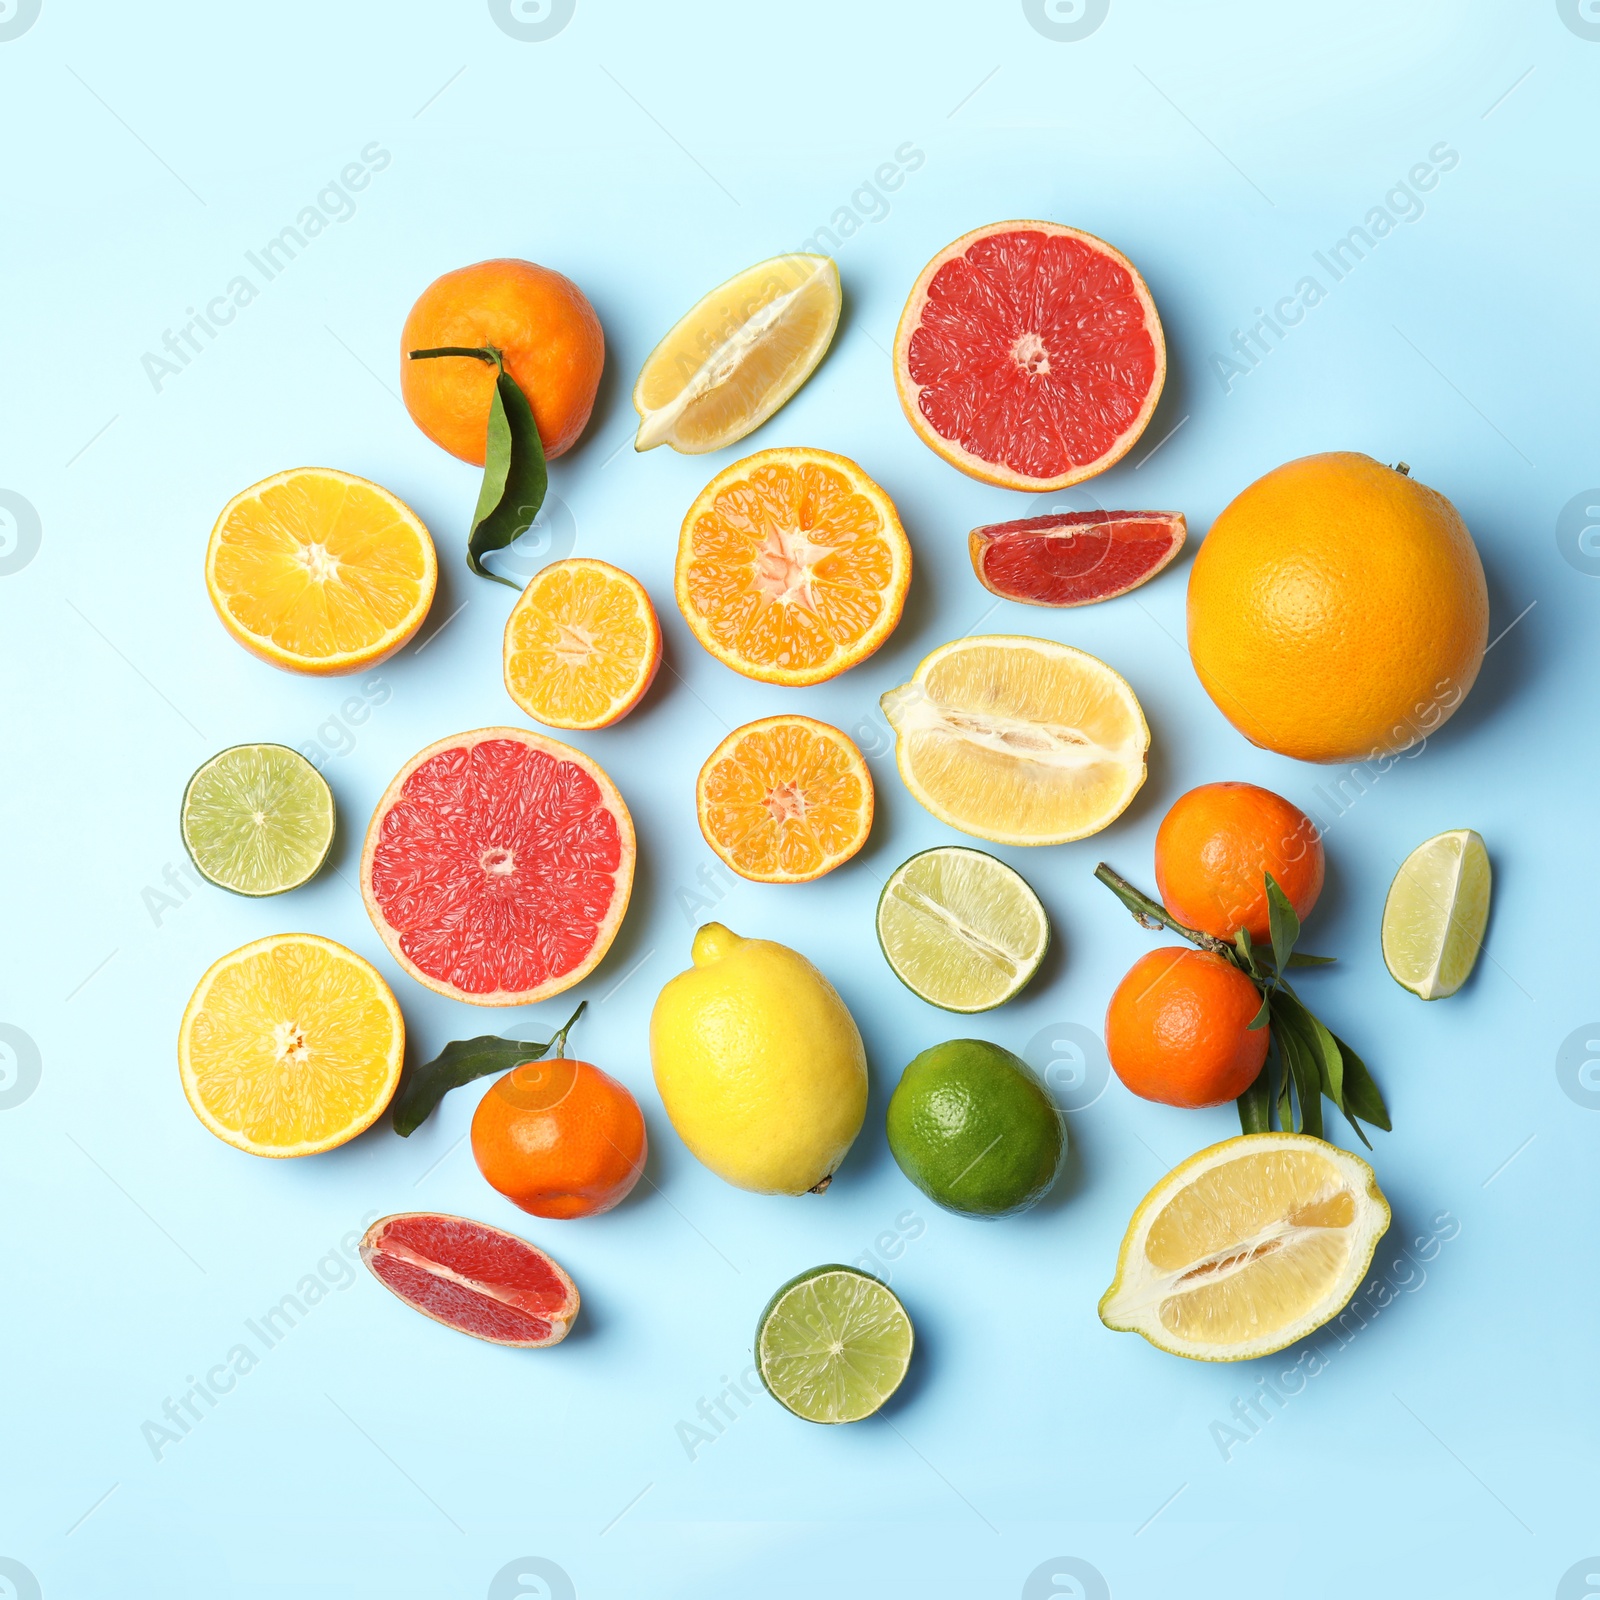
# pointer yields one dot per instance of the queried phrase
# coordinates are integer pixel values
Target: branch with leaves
(1305, 1059)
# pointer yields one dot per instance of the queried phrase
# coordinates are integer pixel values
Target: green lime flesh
(961, 929)
(258, 819)
(973, 1127)
(1436, 914)
(833, 1344)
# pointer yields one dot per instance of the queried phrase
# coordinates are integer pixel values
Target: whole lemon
(759, 1064)
(1337, 609)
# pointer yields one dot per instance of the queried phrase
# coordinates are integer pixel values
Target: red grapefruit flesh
(498, 865)
(1029, 355)
(1074, 558)
(472, 1277)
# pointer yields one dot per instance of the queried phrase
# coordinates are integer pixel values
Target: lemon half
(1023, 741)
(1246, 1247)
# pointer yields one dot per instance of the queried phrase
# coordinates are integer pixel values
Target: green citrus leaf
(1285, 924)
(459, 1063)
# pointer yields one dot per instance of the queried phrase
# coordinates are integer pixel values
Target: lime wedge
(1436, 913)
(258, 819)
(833, 1345)
(960, 929)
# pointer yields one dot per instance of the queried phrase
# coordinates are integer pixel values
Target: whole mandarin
(1215, 847)
(559, 1138)
(542, 325)
(1178, 1029)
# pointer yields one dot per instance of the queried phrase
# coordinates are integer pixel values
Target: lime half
(258, 819)
(960, 929)
(1436, 913)
(833, 1345)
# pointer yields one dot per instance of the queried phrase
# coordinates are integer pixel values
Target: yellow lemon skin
(759, 1064)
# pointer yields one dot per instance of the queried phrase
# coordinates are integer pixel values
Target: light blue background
(650, 152)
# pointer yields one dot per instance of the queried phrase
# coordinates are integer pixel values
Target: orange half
(582, 644)
(785, 800)
(792, 566)
(319, 571)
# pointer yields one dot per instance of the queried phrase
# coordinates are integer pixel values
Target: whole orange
(559, 1138)
(542, 325)
(1178, 1029)
(1215, 847)
(1337, 609)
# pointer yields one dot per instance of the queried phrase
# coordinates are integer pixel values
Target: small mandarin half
(582, 645)
(792, 566)
(1215, 848)
(1178, 1029)
(785, 800)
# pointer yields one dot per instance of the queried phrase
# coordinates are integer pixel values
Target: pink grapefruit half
(472, 1277)
(1074, 558)
(1029, 355)
(498, 865)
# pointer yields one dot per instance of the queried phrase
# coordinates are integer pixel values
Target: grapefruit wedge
(1074, 558)
(498, 865)
(471, 1277)
(1029, 355)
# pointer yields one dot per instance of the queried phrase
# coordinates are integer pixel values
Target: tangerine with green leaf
(560, 1138)
(1217, 844)
(1178, 1029)
(543, 327)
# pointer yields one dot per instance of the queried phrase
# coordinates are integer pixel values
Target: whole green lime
(973, 1127)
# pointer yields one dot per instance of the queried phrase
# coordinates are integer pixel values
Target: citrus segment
(960, 929)
(582, 645)
(1246, 1247)
(319, 571)
(1023, 741)
(792, 566)
(785, 800)
(498, 865)
(1436, 913)
(833, 1344)
(738, 355)
(472, 1277)
(258, 819)
(1029, 355)
(1075, 558)
(290, 1045)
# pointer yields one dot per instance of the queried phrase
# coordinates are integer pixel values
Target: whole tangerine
(543, 326)
(1178, 1029)
(1215, 847)
(559, 1138)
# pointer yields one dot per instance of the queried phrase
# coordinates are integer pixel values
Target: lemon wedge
(1023, 741)
(738, 355)
(1436, 913)
(1246, 1247)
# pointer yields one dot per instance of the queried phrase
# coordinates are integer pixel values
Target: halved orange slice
(792, 566)
(319, 571)
(582, 644)
(785, 800)
(290, 1045)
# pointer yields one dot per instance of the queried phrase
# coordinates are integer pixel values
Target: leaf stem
(487, 354)
(558, 1041)
(1151, 914)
